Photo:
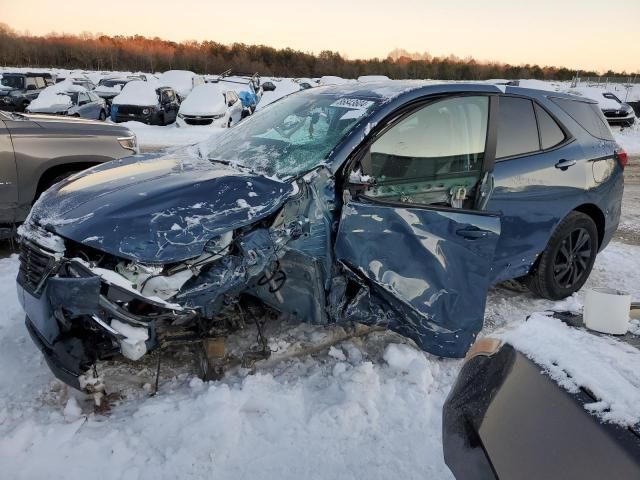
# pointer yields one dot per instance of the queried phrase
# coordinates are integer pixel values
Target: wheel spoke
(564, 251)
(562, 276)
(582, 262)
(583, 238)
(574, 275)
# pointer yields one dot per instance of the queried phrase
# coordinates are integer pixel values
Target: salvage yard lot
(365, 407)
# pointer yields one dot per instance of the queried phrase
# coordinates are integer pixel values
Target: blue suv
(393, 203)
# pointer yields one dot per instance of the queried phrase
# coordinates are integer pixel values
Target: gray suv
(38, 151)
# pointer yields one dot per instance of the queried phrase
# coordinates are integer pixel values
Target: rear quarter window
(588, 115)
(517, 128)
(550, 132)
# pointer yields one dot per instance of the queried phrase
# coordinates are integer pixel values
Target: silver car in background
(37, 151)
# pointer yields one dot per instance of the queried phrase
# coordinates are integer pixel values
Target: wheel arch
(56, 170)
(597, 215)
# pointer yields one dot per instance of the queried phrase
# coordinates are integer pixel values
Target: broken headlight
(138, 273)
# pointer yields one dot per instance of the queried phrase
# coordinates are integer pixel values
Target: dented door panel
(432, 266)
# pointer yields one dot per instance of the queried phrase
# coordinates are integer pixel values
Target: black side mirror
(268, 86)
(31, 87)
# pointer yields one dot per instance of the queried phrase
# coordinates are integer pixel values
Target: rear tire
(566, 263)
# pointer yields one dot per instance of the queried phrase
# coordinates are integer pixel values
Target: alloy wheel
(573, 258)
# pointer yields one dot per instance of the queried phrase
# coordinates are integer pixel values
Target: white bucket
(606, 310)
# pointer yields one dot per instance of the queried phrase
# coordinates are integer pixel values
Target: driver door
(412, 227)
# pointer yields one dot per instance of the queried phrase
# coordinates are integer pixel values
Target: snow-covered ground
(368, 407)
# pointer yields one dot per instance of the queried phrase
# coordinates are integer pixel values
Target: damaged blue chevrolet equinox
(395, 204)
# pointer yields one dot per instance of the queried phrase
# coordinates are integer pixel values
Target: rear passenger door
(411, 229)
(539, 176)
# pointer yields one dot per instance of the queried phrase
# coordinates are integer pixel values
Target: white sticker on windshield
(355, 103)
(353, 114)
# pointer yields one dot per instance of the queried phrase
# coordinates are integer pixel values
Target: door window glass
(40, 83)
(83, 98)
(550, 132)
(31, 81)
(432, 157)
(517, 129)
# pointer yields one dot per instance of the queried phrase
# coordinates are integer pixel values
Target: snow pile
(55, 96)
(576, 358)
(628, 138)
(205, 99)
(137, 92)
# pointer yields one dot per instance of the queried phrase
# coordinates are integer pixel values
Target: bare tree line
(138, 53)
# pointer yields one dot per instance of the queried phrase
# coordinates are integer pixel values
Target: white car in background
(372, 78)
(331, 80)
(209, 104)
(615, 110)
(181, 81)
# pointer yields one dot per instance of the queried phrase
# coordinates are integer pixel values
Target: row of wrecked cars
(394, 203)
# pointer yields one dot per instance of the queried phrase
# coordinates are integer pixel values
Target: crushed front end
(84, 303)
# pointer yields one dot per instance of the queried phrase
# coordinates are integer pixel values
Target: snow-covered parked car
(372, 78)
(332, 80)
(275, 89)
(249, 87)
(66, 98)
(209, 104)
(306, 83)
(145, 102)
(181, 81)
(109, 88)
(615, 110)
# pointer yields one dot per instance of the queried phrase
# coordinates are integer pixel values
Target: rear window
(550, 132)
(588, 115)
(517, 128)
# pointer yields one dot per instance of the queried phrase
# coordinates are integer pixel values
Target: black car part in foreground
(506, 419)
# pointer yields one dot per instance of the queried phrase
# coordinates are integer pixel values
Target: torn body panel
(431, 266)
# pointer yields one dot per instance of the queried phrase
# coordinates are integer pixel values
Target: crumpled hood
(158, 210)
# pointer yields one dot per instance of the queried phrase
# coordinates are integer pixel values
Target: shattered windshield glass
(291, 136)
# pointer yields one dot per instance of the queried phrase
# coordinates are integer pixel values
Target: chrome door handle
(564, 164)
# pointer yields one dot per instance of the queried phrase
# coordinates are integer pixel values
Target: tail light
(621, 156)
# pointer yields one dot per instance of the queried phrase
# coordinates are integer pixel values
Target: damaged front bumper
(77, 318)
